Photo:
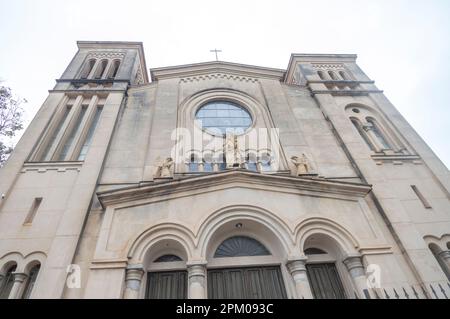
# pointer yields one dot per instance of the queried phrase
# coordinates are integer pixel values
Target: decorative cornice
(189, 184)
(42, 167)
(106, 55)
(328, 66)
(212, 76)
(199, 69)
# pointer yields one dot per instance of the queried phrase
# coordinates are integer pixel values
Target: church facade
(221, 180)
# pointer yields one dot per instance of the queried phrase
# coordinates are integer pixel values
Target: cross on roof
(216, 51)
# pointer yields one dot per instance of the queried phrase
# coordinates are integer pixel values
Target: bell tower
(60, 157)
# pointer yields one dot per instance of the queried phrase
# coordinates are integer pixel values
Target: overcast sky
(404, 45)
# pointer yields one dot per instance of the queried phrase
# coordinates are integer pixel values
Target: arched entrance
(325, 268)
(245, 262)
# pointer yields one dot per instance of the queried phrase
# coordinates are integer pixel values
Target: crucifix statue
(216, 51)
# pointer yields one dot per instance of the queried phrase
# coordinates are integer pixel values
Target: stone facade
(94, 192)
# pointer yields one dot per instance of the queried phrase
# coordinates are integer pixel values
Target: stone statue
(232, 153)
(302, 165)
(165, 168)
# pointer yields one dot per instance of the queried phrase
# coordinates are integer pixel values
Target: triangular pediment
(233, 178)
(216, 67)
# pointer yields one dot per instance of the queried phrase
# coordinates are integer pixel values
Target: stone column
(445, 257)
(133, 279)
(358, 274)
(297, 268)
(17, 288)
(196, 280)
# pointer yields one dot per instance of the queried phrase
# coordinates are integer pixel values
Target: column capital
(296, 264)
(134, 272)
(353, 262)
(191, 263)
(19, 277)
(196, 268)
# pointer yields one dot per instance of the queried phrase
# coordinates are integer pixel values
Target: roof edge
(192, 69)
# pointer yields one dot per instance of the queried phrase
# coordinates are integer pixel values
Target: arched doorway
(245, 262)
(166, 274)
(327, 274)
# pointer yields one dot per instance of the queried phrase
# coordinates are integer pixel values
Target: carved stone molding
(329, 66)
(60, 167)
(213, 76)
(106, 55)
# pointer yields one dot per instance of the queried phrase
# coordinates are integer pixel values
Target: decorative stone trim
(398, 159)
(60, 167)
(106, 55)
(214, 76)
(328, 66)
(379, 250)
(109, 264)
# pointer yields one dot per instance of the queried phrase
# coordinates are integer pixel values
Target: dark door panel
(167, 285)
(325, 282)
(246, 283)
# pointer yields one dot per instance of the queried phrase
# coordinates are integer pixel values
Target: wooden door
(246, 283)
(325, 282)
(167, 285)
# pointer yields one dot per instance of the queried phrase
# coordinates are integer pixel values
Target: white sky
(404, 45)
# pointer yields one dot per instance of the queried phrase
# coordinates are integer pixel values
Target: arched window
(361, 132)
(333, 75)
(87, 69)
(321, 75)
(343, 75)
(193, 164)
(7, 282)
(31, 281)
(167, 259)
(240, 246)
(436, 252)
(251, 162)
(114, 69)
(101, 69)
(378, 133)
